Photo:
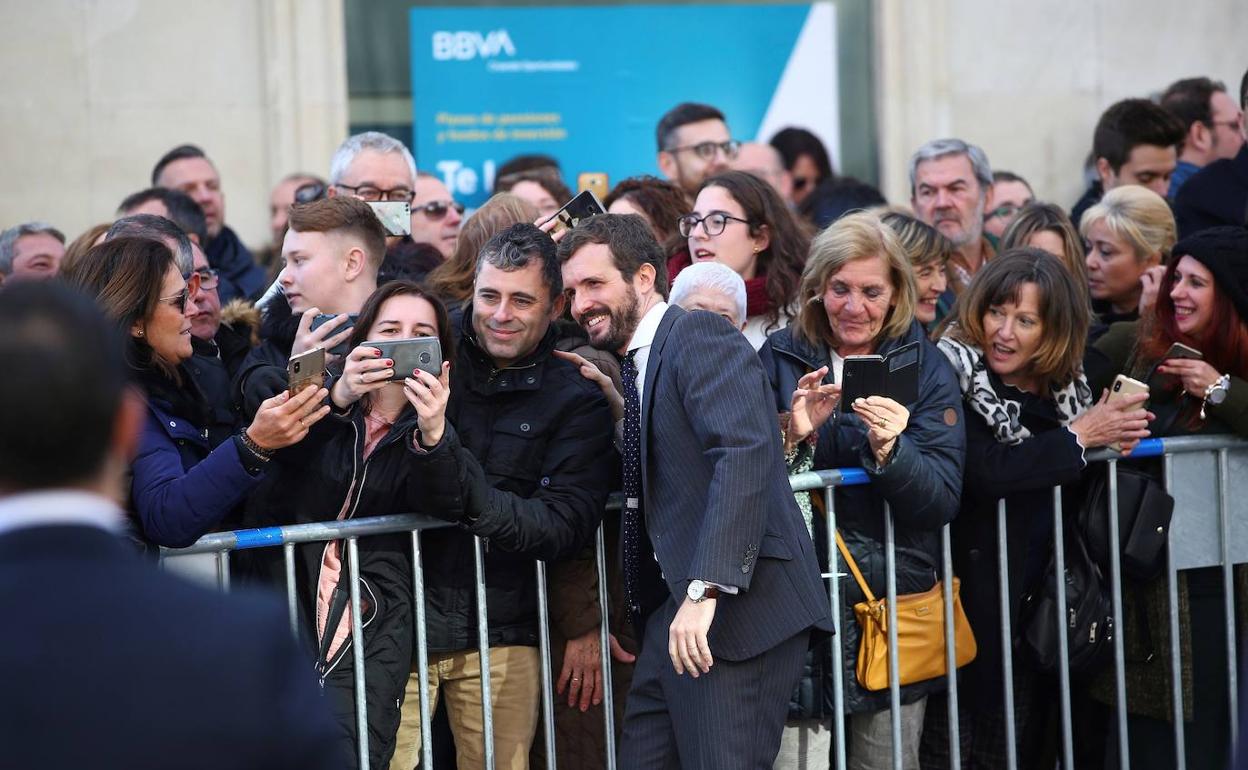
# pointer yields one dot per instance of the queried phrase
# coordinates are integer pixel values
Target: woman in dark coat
(186, 477)
(856, 297)
(360, 463)
(1202, 302)
(1016, 342)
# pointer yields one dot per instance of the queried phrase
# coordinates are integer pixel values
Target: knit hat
(1224, 252)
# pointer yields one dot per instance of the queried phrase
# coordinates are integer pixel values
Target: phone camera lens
(298, 366)
(1117, 386)
(424, 357)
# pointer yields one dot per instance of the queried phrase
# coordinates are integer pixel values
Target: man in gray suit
(718, 567)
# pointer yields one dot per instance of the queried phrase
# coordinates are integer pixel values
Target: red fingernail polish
(389, 362)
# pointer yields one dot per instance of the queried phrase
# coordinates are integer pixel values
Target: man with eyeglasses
(1010, 192)
(1218, 193)
(694, 143)
(436, 216)
(188, 169)
(1213, 120)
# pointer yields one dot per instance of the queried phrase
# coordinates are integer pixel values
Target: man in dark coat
(718, 566)
(188, 169)
(112, 663)
(1215, 195)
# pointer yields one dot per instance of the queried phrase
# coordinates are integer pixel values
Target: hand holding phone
(326, 335)
(424, 353)
(581, 207)
(305, 370)
(1119, 420)
(337, 325)
(365, 370)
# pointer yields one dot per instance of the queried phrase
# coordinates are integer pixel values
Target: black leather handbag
(1144, 513)
(1089, 619)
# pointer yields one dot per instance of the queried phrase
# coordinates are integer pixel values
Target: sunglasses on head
(436, 210)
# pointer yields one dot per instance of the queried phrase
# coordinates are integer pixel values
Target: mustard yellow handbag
(920, 632)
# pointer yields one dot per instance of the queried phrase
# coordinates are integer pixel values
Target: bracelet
(264, 455)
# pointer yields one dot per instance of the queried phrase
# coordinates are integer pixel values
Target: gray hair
(375, 141)
(156, 228)
(939, 148)
(8, 241)
(710, 276)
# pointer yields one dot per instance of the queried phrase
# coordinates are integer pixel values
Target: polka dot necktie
(631, 451)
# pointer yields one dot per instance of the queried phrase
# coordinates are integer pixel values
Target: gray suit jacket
(717, 499)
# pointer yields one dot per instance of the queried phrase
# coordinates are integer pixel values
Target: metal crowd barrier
(1189, 545)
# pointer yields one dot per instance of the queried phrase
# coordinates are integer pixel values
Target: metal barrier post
(357, 652)
(483, 648)
(604, 639)
(894, 666)
(1063, 661)
(951, 649)
(838, 663)
(1007, 638)
(1115, 572)
(1176, 653)
(422, 651)
(543, 643)
(292, 602)
(1228, 596)
(223, 570)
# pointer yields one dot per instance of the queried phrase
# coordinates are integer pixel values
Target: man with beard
(950, 189)
(719, 573)
(694, 143)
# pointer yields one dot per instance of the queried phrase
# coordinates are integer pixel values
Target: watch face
(1217, 395)
(695, 590)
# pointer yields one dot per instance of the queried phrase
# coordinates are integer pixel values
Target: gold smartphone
(305, 369)
(1124, 386)
(594, 181)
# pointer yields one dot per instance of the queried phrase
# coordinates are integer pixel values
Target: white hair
(375, 141)
(8, 241)
(710, 276)
(939, 148)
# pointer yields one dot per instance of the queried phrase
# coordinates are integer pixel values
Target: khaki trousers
(515, 689)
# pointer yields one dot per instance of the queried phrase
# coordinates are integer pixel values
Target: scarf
(1002, 414)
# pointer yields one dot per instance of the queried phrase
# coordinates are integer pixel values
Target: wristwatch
(700, 590)
(1215, 394)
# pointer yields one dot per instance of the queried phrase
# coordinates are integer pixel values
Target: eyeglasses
(374, 194)
(437, 210)
(177, 300)
(1234, 125)
(312, 191)
(209, 279)
(1004, 211)
(713, 223)
(707, 150)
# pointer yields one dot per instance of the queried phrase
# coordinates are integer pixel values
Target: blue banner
(588, 85)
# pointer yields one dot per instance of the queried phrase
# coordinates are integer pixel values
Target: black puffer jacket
(313, 481)
(533, 463)
(922, 483)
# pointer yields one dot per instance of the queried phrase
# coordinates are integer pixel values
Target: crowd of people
(752, 273)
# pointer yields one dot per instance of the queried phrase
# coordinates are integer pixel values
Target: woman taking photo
(1016, 342)
(857, 297)
(186, 478)
(355, 464)
(1203, 304)
(738, 220)
(1129, 233)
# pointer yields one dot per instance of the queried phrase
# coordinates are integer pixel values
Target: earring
(139, 333)
(757, 249)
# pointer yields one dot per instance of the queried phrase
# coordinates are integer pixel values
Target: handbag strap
(853, 566)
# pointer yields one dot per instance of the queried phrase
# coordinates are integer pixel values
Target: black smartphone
(894, 376)
(583, 206)
(342, 348)
(423, 353)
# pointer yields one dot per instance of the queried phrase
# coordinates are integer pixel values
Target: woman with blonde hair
(452, 281)
(857, 297)
(1130, 234)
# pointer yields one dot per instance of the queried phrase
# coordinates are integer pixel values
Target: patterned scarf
(1002, 414)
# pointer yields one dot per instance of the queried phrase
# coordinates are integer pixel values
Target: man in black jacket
(109, 662)
(524, 463)
(188, 169)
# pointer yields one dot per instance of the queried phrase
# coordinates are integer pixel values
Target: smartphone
(1179, 350)
(408, 355)
(344, 347)
(395, 216)
(895, 376)
(1124, 386)
(594, 181)
(305, 369)
(583, 206)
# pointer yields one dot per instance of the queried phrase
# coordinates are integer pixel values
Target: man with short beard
(950, 189)
(719, 570)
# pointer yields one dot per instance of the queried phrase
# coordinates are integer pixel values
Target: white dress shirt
(59, 507)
